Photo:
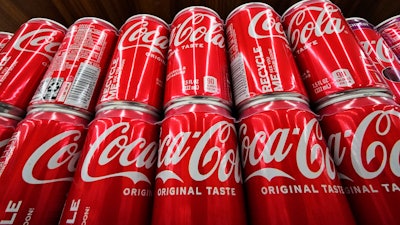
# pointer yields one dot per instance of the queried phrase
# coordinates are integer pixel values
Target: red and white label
(119, 157)
(39, 163)
(366, 152)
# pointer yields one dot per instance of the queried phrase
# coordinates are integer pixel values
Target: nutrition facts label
(240, 85)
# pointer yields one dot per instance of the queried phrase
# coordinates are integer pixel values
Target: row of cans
(254, 48)
(194, 170)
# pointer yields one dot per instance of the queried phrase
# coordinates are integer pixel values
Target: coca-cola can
(5, 37)
(37, 166)
(25, 59)
(261, 58)
(118, 157)
(197, 59)
(390, 31)
(287, 164)
(7, 126)
(379, 52)
(136, 72)
(76, 73)
(198, 178)
(329, 56)
(362, 133)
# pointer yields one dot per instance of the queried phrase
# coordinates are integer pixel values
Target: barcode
(239, 79)
(83, 86)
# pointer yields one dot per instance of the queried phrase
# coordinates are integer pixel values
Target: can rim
(386, 22)
(247, 5)
(6, 33)
(48, 20)
(10, 116)
(196, 7)
(12, 110)
(353, 95)
(146, 15)
(297, 5)
(97, 19)
(58, 108)
(354, 21)
(356, 18)
(196, 100)
(125, 105)
(272, 98)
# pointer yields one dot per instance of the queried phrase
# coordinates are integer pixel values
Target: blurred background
(15, 12)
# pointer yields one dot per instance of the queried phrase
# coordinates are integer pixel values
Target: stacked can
(23, 61)
(4, 38)
(390, 31)
(358, 117)
(198, 176)
(329, 56)
(362, 133)
(38, 164)
(8, 123)
(286, 161)
(379, 52)
(120, 151)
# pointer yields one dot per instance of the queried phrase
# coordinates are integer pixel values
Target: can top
(367, 92)
(58, 109)
(388, 22)
(272, 98)
(356, 21)
(10, 116)
(6, 33)
(97, 20)
(12, 110)
(41, 19)
(144, 15)
(275, 103)
(192, 8)
(197, 101)
(248, 5)
(124, 105)
(301, 4)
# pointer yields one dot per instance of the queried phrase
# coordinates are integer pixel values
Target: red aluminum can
(362, 133)
(328, 53)
(136, 72)
(390, 30)
(25, 59)
(119, 157)
(198, 177)
(379, 52)
(261, 58)
(197, 59)
(37, 167)
(7, 126)
(287, 165)
(76, 73)
(5, 37)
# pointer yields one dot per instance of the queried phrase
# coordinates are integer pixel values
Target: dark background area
(15, 12)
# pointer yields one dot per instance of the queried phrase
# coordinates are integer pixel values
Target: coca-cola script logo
(369, 151)
(266, 25)
(383, 52)
(65, 154)
(41, 38)
(312, 155)
(302, 30)
(199, 28)
(139, 35)
(204, 150)
(123, 149)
